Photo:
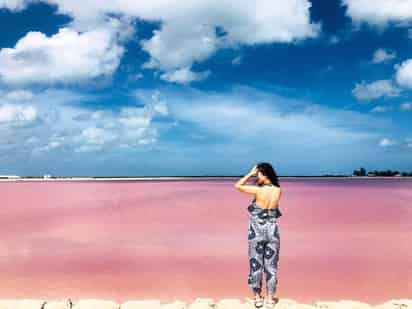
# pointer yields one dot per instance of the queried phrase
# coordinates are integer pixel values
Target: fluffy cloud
(385, 142)
(17, 114)
(380, 109)
(381, 55)
(16, 110)
(368, 91)
(14, 5)
(237, 60)
(231, 124)
(66, 57)
(176, 47)
(18, 95)
(96, 136)
(261, 21)
(184, 76)
(379, 12)
(184, 40)
(402, 142)
(404, 74)
(108, 130)
(406, 106)
(263, 114)
(48, 124)
(63, 127)
(190, 31)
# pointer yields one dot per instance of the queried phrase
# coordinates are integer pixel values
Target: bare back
(268, 197)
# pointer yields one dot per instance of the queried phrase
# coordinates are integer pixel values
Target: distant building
(46, 176)
(9, 176)
(371, 174)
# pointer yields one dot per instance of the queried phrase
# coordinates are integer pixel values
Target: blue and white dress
(263, 247)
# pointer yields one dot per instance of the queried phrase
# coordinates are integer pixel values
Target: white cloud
(368, 91)
(32, 139)
(49, 123)
(132, 117)
(14, 5)
(106, 129)
(188, 33)
(17, 114)
(95, 136)
(154, 103)
(237, 60)
(408, 142)
(182, 41)
(381, 55)
(18, 95)
(250, 22)
(385, 142)
(184, 76)
(234, 123)
(379, 12)
(404, 74)
(380, 109)
(175, 46)
(406, 106)
(88, 148)
(245, 114)
(55, 140)
(15, 110)
(66, 57)
(261, 21)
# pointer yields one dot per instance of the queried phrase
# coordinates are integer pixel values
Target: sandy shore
(198, 303)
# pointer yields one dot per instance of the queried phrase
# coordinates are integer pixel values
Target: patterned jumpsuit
(263, 247)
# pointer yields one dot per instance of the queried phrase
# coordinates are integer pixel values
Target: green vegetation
(389, 173)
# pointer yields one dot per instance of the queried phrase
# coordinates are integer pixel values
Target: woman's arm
(240, 184)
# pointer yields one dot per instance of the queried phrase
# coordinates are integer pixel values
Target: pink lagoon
(341, 238)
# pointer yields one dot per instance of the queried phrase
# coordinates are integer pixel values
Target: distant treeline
(363, 172)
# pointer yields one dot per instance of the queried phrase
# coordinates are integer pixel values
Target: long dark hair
(267, 170)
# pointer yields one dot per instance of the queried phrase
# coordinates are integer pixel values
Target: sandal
(270, 303)
(259, 302)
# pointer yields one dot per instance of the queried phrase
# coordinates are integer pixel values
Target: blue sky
(124, 88)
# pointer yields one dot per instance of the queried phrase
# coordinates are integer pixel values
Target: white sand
(199, 303)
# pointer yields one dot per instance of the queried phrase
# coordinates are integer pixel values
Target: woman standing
(263, 231)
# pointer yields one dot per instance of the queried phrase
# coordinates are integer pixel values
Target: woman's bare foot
(271, 302)
(259, 301)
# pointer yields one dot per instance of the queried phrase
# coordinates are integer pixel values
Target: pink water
(125, 240)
